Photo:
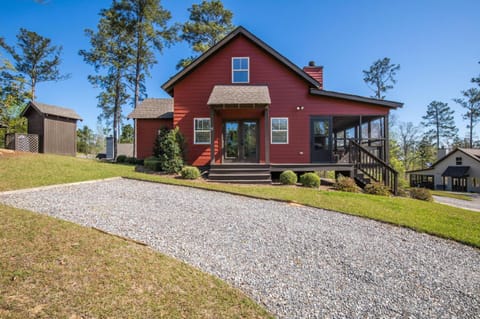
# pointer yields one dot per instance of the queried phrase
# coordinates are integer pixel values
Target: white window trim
(271, 129)
(248, 69)
(195, 131)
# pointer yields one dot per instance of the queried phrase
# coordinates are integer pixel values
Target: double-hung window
(201, 130)
(279, 130)
(241, 70)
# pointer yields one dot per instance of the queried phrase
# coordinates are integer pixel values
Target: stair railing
(372, 166)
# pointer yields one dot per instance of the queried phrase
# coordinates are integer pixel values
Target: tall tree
(85, 140)
(439, 118)
(425, 152)
(408, 135)
(477, 79)
(381, 77)
(35, 58)
(112, 56)
(13, 98)
(146, 20)
(471, 102)
(209, 23)
(127, 134)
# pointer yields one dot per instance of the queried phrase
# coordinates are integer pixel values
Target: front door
(240, 141)
(459, 184)
(321, 139)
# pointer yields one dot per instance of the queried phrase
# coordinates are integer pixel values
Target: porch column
(212, 136)
(387, 139)
(267, 135)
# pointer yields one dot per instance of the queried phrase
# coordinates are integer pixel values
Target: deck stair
(368, 167)
(240, 173)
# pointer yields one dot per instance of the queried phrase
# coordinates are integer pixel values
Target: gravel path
(474, 204)
(299, 262)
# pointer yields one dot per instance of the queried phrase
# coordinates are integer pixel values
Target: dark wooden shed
(55, 126)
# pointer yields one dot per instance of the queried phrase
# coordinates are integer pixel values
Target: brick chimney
(315, 72)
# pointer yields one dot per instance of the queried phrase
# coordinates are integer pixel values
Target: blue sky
(436, 42)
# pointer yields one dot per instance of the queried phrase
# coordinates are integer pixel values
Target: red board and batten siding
(287, 91)
(148, 130)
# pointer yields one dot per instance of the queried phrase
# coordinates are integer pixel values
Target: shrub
(190, 172)
(168, 148)
(346, 184)
(421, 194)
(153, 163)
(121, 158)
(375, 188)
(310, 180)
(288, 178)
(402, 192)
(131, 160)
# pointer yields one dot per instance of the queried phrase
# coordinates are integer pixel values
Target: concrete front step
(243, 173)
(242, 181)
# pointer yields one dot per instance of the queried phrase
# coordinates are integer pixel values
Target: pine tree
(35, 59)
(146, 20)
(209, 23)
(471, 102)
(439, 118)
(112, 56)
(381, 77)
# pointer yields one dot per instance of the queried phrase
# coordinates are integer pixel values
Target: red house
(243, 106)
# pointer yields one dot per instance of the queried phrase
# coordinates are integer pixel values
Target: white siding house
(457, 171)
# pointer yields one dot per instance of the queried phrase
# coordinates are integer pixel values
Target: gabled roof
(315, 88)
(356, 98)
(168, 86)
(474, 153)
(239, 95)
(153, 109)
(52, 110)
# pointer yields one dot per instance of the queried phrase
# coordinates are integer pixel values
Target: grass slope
(440, 220)
(55, 269)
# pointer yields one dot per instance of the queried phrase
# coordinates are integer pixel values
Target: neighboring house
(243, 102)
(55, 126)
(458, 171)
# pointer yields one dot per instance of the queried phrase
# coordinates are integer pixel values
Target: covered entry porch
(240, 124)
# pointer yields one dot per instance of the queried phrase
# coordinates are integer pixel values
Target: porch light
(300, 108)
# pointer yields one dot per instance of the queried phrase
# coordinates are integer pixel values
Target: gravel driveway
(299, 262)
(474, 204)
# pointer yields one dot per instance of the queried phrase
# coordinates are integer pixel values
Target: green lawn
(437, 219)
(55, 269)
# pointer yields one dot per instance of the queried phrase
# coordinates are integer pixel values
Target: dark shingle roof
(153, 109)
(456, 171)
(239, 95)
(53, 110)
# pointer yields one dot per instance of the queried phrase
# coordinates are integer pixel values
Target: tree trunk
(115, 116)
(471, 129)
(32, 90)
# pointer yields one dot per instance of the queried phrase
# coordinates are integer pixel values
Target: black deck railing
(372, 166)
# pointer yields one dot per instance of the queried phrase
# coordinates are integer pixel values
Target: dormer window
(241, 70)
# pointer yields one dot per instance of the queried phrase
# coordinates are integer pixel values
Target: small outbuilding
(457, 171)
(55, 126)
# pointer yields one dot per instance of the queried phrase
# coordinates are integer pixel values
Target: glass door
(321, 139)
(240, 141)
(231, 141)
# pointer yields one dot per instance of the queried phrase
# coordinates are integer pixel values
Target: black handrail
(372, 166)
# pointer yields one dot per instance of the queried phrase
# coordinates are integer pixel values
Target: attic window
(458, 160)
(241, 70)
